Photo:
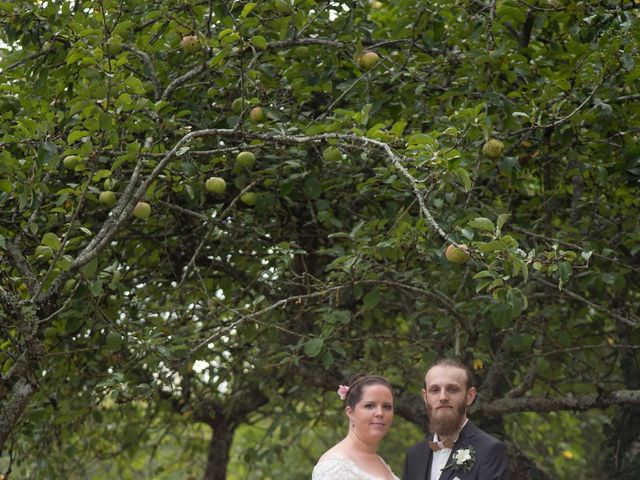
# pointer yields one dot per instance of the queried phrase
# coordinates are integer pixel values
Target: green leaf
(502, 219)
(51, 240)
(6, 185)
(135, 84)
(507, 13)
(76, 135)
(114, 340)
(64, 263)
(398, 127)
(372, 298)
(106, 121)
(96, 288)
(464, 177)
(313, 347)
(247, 9)
(482, 284)
(312, 187)
(485, 274)
(259, 41)
(482, 223)
(498, 282)
(100, 174)
(421, 139)
(565, 270)
(563, 83)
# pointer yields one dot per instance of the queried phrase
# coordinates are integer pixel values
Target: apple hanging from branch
(458, 255)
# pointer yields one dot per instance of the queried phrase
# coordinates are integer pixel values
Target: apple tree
(212, 212)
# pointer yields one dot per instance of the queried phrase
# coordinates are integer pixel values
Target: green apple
(215, 185)
(257, 115)
(107, 198)
(246, 159)
(457, 255)
(493, 148)
(190, 44)
(301, 52)
(332, 154)
(237, 105)
(70, 161)
(142, 210)
(249, 198)
(368, 60)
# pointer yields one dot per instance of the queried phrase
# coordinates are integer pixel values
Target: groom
(457, 449)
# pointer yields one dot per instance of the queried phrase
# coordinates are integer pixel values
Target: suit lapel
(464, 439)
(424, 468)
(449, 472)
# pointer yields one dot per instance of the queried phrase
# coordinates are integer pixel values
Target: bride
(369, 406)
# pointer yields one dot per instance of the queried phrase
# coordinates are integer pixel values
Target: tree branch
(504, 406)
(633, 321)
(146, 59)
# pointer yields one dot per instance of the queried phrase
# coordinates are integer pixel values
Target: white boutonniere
(462, 459)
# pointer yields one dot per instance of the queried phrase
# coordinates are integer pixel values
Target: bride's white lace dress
(336, 468)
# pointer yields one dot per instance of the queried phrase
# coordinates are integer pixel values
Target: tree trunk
(523, 468)
(624, 430)
(219, 447)
(11, 410)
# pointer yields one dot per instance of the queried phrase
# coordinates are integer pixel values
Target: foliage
(566, 443)
(214, 312)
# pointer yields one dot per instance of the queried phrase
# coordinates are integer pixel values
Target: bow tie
(435, 446)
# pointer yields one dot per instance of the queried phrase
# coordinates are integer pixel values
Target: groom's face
(447, 398)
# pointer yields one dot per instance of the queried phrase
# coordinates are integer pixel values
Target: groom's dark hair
(448, 362)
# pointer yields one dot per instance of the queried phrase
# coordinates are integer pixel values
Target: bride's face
(372, 416)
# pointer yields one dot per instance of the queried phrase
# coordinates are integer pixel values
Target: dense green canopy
(140, 339)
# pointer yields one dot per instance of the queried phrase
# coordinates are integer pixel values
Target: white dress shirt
(439, 459)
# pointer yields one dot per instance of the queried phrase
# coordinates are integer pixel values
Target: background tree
(148, 315)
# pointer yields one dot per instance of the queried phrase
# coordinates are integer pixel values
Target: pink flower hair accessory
(343, 390)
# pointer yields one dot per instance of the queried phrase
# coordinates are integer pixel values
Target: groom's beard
(446, 422)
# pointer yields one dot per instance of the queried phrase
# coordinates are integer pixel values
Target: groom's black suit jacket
(491, 459)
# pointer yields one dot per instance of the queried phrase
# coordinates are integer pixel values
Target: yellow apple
(142, 210)
(249, 198)
(457, 255)
(368, 60)
(190, 44)
(216, 185)
(246, 159)
(70, 161)
(332, 154)
(107, 198)
(493, 148)
(257, 115)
